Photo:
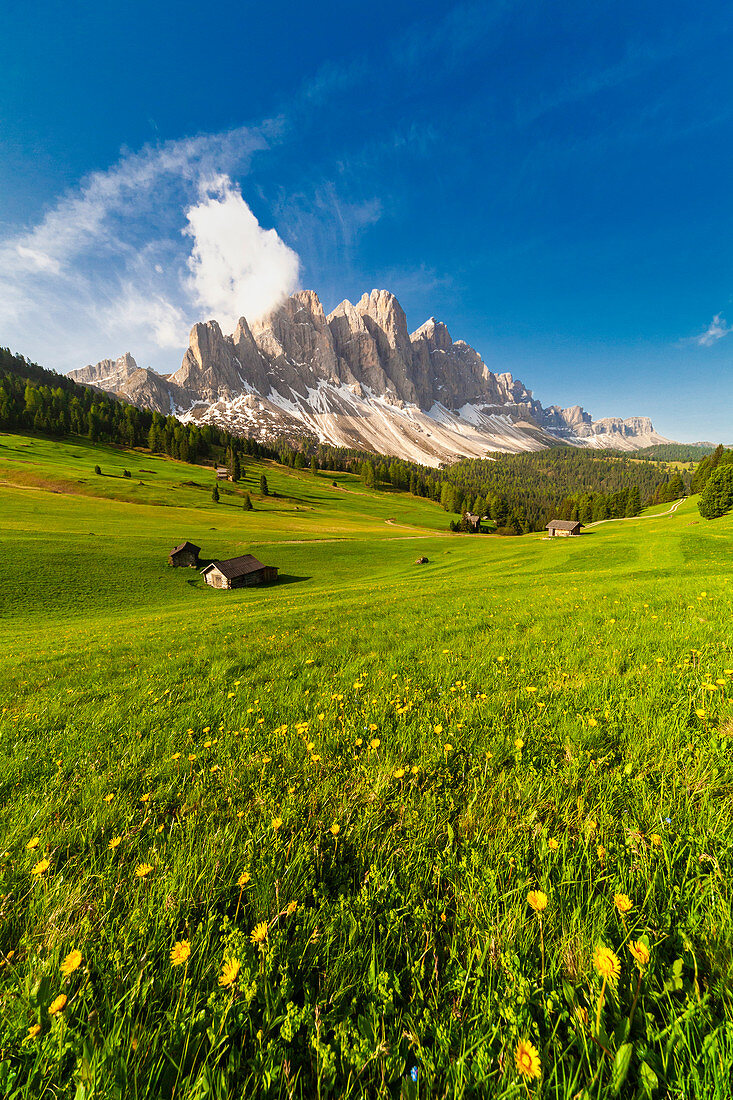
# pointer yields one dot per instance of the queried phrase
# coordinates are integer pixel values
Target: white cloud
(716, 330)
(109, 268)
(237, 267)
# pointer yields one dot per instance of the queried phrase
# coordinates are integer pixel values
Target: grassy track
(395, 755)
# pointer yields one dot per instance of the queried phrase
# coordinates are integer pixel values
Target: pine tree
(717, 497)
(633, 503)
(236, 468)
(676, 487)
(499, 511)
(370, 475)
(215, 495)
(314, 466)
(264, 491)
(247, 504)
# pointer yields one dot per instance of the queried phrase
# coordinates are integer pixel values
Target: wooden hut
(185, 554)
(476, 523)
(238, 572)
(222, 473)
(563, 527)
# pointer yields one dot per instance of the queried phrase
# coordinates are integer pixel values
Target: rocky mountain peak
(382, 308)
(357, 378)
(435, 333)
(108, 373)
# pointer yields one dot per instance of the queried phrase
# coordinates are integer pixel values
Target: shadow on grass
(284, 578)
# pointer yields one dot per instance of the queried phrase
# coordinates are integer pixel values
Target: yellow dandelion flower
(33, 1030)
(192, 757)
(414, 769)
(108, 798)
(399, 773)
(229, 972)
(41, 867)
(640, 951)
(276, 823)
(33, 843)
(537, 900)
(292, 906)
(606, 963)
(527, 1059)
(145, 798)
(553, 844)
(57, 1005)
(143, 869)
(623, 903)
(243, 879)
(335, 828)
(259, 932)
(71, 963)
(359, 742)
(375, 743)
(438, 730)
(655, 839)
(176, 756)
(114, 843)
(180, 952)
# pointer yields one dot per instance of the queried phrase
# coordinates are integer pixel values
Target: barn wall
(186, 557)
(216, 580)
(249, 579)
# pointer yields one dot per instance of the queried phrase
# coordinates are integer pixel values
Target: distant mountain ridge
(358, 378)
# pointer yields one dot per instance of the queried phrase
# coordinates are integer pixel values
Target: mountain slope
(358, 378)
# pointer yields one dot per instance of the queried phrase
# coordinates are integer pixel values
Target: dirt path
(621, 519)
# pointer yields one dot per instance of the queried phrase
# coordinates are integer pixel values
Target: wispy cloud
(126, 259)
(716, 330)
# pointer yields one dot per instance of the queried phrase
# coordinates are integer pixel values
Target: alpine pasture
(381, 829)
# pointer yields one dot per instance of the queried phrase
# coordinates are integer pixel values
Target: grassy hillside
(339, 791)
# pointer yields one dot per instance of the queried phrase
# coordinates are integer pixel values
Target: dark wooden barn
(238, 572)
(185, 554)
(563, 527)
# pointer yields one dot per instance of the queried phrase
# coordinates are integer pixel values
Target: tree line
(713, 479)
(517, 492)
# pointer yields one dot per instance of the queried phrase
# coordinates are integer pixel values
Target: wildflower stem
(180, 994)
(600, 1006)
(636, 998)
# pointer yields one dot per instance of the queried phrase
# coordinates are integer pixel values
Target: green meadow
(381, 829)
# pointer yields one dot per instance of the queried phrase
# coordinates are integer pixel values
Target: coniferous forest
(516, 492)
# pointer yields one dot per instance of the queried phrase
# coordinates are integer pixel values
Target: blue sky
(553, 180)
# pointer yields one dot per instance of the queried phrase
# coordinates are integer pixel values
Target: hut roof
(563, 524)
(236, 567)
(185, 546)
